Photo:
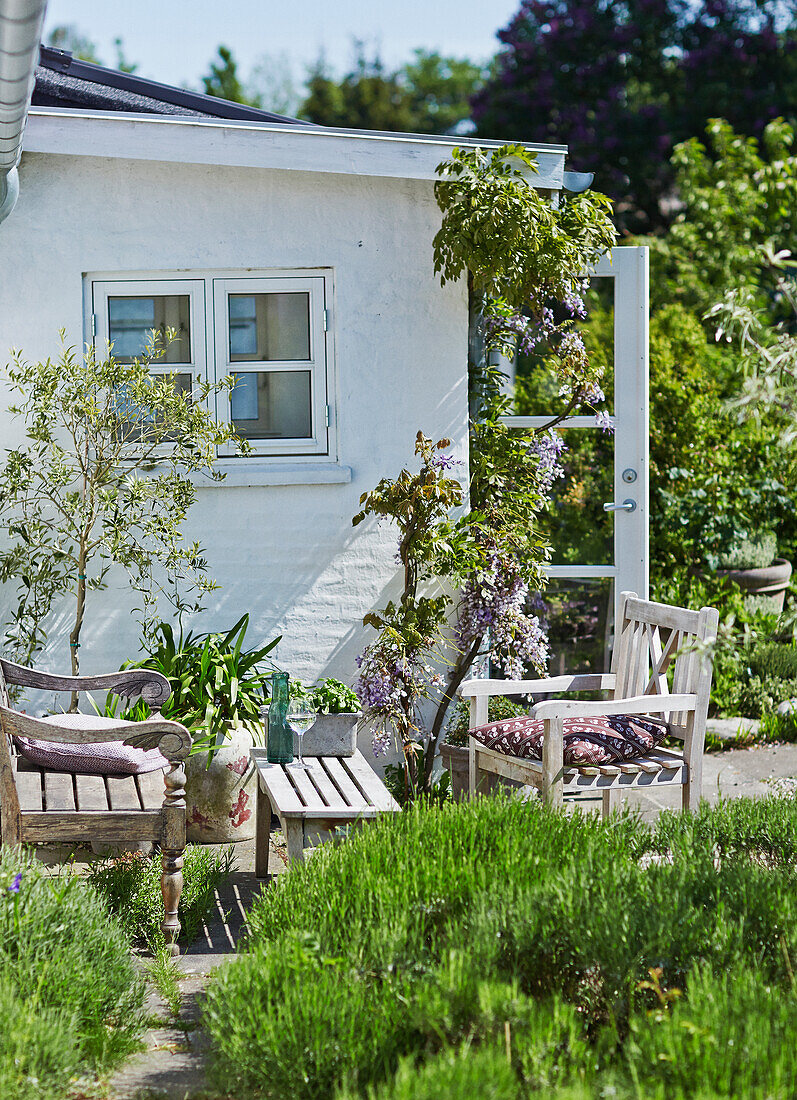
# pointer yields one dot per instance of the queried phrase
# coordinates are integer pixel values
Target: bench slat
(369, 782)
(283, 795)
(342, 780)
(59, 793)
(304, 785)
(29, 789)
(91, 793)
(151, 789)
(122, 792)
(330, 795)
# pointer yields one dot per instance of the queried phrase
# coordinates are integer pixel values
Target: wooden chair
(39, 805)
(649, 638)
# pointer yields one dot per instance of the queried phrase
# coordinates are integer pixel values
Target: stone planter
(455, 761)
(771, 582)
(220, 799)
(330, 735)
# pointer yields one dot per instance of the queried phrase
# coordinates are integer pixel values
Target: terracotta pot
(455, 761)
(220, 798)
(772, 581)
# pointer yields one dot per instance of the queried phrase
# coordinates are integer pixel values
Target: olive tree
(104, 478)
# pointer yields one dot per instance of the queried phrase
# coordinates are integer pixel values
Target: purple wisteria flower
(548, 448)
(445, 462)
(604, 421)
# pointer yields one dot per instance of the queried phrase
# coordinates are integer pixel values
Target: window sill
(249, 472)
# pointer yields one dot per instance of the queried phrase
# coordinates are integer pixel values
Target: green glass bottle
(279, 745)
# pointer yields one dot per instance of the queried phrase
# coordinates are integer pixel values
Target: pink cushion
(587, 741)
(95, 758)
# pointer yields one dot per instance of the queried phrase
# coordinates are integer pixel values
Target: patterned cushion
(95, 758)
(587, 741)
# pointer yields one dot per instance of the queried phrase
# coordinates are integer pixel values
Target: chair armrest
(472, 689)
(172, 738)
(152, 687)
(636, 704)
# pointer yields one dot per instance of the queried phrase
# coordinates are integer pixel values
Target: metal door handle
(628, 505)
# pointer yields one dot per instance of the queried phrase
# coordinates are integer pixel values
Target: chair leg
(612, 800)
(171, 888)
(172, 850)
(690, 796)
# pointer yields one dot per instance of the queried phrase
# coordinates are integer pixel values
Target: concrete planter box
(455, 761)
(330, 735)
(772, 581)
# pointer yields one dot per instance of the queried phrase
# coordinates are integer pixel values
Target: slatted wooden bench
(39, 805)
(43, 793)
(332, 791)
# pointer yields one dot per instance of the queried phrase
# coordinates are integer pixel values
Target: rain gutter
(20, 33)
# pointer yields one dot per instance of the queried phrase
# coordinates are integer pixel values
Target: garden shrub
(450, 1075)
(131, 886)
(732, 1036)
(432, 930)
(70, 998)
(500, 706)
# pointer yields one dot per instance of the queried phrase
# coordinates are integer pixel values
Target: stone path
(172, 1067)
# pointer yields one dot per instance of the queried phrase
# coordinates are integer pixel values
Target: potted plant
(751, 563)
(218, 688)
(334, 732)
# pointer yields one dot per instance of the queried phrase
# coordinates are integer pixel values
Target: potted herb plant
(334, 731)
(752, 565)
(218, 688)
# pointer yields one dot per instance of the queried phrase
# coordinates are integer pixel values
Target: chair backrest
(652, 637)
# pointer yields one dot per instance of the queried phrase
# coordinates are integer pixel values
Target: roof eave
(253, 144)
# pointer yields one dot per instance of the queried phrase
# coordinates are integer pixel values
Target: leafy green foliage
(499, 707)
(130, 885)
(428, 95)
(529, 929)
(328, 696)
(506, 236)
(71, 1001)
(214, 681)
(738, 193)
(82, 494)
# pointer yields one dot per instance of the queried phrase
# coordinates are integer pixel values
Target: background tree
(103, 479)
(69, 37)
(428, 95)
(622, 81)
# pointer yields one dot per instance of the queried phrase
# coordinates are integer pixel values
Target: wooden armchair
(649, 638)
(38, 804)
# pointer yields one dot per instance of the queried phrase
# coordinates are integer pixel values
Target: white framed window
(270, 338)
(268, 332)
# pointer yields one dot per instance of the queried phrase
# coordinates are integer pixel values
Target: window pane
(272, 405)
(269, 327)
(134, 419)
(132, 319)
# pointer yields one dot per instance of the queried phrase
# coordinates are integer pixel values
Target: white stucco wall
(287, 554)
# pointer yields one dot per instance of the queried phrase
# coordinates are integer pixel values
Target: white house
(296, 257)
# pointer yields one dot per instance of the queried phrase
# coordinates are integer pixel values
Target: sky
(174, 40)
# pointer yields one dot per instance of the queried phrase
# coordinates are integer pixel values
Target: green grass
(438, 941)
(70, 998)
(130, 884)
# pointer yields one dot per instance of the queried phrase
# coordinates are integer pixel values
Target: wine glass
(300, 717)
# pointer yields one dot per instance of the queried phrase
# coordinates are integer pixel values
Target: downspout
(20, 34)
